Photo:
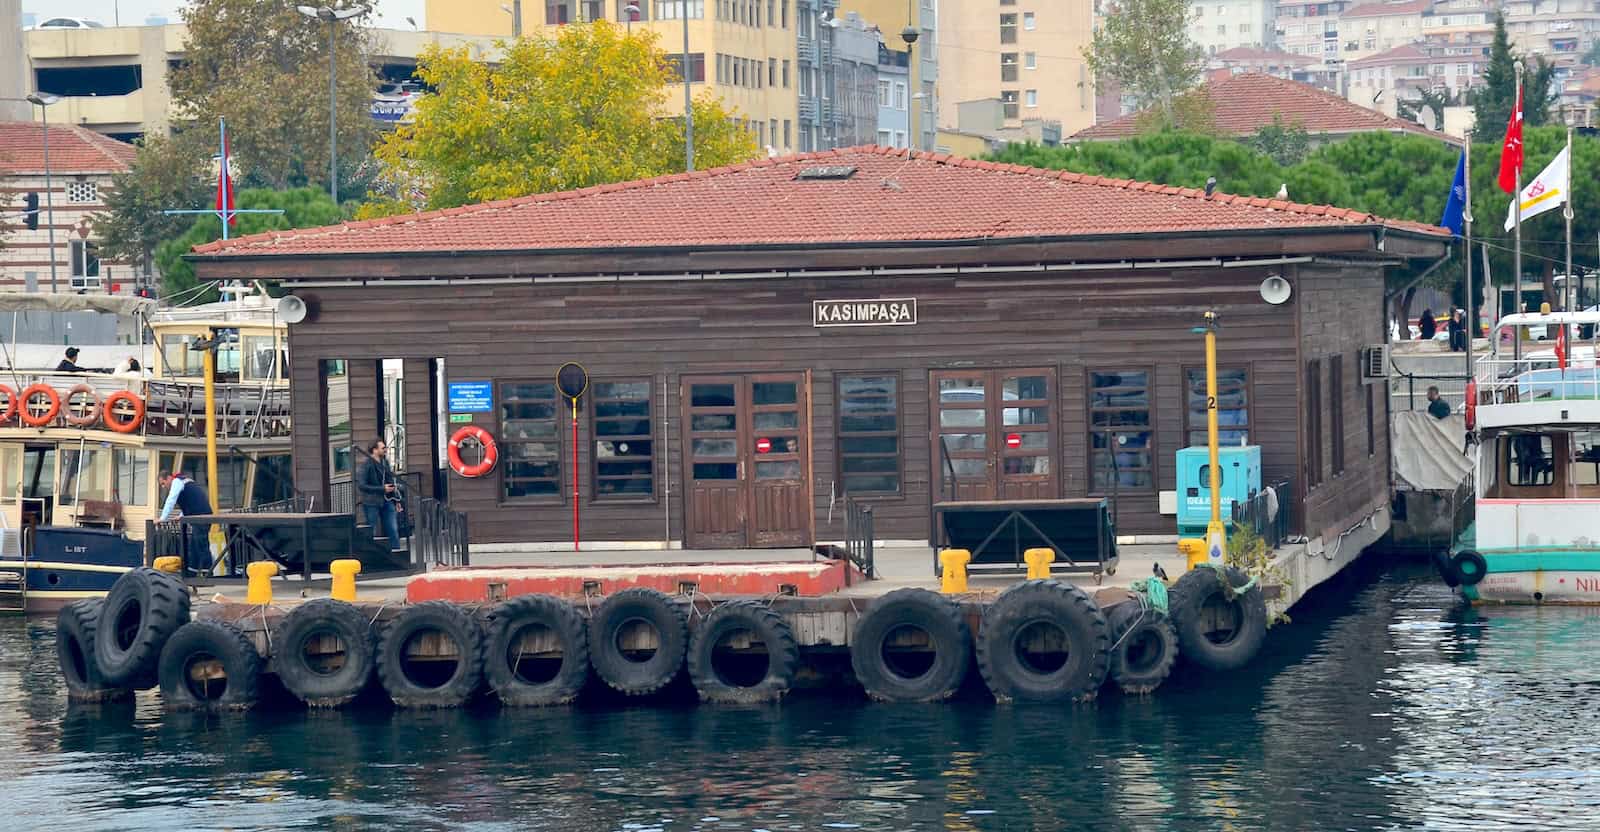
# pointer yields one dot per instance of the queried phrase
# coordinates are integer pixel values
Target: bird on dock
(1160, 573)
(1211, 185)
(1283, 191)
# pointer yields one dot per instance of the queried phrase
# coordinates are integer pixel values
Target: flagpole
(1566, 212)
(1516, 213)
(222, 153)
(1471, 323)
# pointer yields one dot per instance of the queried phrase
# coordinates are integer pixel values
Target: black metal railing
(343, 497)
(1266, 514)
(439, 535)
(298, 504)
(858, 535)
(1409, 391)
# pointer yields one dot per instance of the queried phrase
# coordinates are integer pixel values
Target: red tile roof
(72, 150)
(1246, 54)
(1382, 9)
(1246, 102)
(893, 196)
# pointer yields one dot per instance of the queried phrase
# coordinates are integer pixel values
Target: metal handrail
(859, 535)
(1257, 515)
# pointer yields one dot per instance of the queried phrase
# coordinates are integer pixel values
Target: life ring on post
(82, 415)
(25, 407)
(491, 453)
(131, 406)
(1472, 404)
(10, 409)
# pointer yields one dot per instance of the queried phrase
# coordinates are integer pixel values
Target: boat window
(177, 360)
(231, 472)
(260, 357)
(1530, 460)
(10, 472)
(1585, 457)
(133, 476)
(85, 475)
(228, 359)
(38, 472)
(273, 479)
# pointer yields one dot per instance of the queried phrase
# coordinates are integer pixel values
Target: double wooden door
(747, 453)
(994, 435)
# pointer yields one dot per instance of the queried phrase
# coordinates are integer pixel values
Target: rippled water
(1385, 706)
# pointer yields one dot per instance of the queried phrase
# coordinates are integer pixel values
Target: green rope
(1231, 591)
(1155, 593)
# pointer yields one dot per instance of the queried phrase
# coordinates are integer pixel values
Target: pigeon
(1160, 573)
(1211, 185)
(1283, 191)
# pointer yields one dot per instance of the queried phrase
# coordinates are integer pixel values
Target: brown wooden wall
(1070, 321)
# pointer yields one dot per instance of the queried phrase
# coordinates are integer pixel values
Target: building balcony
(91, 110)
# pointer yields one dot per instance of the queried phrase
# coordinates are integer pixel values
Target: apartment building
(921, 58)
(1025, 53)
(1560, 30)
(1220, 25)
(1310, 28)
(894, 97)
(61, 254)
(1371, 28)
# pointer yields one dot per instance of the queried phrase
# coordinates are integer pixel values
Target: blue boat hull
(67, 564)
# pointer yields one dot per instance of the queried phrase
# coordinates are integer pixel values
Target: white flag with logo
(1547, 191)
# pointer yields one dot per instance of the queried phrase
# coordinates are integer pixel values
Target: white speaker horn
(293, 309)
(1275, 290)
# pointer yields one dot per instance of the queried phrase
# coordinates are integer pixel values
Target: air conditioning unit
(1374, 363)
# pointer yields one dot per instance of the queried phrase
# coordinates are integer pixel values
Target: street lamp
(332, 16)
(688, 100)
(515, 10)
(44, 100)
(633, 14)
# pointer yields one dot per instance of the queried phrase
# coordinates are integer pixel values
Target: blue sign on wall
(470, 397)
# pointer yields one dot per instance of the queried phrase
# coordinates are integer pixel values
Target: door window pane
(961, 389)
(784, 420)
(964, 418)
(132, 467)
(1025, 387)
(711, 395)
(869, 433)
(530, 439)
(1025, 416)
(624, 459)
(1120, 441)
(716, 470)
(774, 392)
(10, 456)
(85, 475)
(715, 447)
(789, 470)
(713, 422)
(1027, 465)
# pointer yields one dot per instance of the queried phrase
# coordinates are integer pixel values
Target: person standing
(378, 494)
(1427, 325)
(1437, 408)
(189, 500)
(1457, 329)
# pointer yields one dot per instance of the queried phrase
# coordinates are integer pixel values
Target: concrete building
(894, 97)
(1382, 81)
(743, 51)
(893, 18)
(1274, 62)
(1310, 28)
(82, 163)
(1371, 28)
(815, 59)
(855, 81)
(13, 64)
(1029, 55)
(1220, 25)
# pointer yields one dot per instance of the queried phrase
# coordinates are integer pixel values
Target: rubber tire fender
(1186, 603)
(563, 621)
(1446, 569)
(75, 633)
(659, 611)
(1145, 647)
(1469, 567)
(928, 611)
(313, 619)
(454, 623)
(1055, 602)
(222, 641)
(142, 610)
(768, 627)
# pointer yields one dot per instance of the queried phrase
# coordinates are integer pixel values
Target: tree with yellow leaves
(585, 106)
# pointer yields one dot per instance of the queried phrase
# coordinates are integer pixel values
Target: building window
(786, 64)
(772, 72)
(1336, 403)
(1244, 28)
(886, 138)
(530, 440)
(900, 138)
(1222, 28)
(869, 433)
(556, 13)
(80, 192)
(1120, 437)
(1313, 403)
(85, 263)
(624, 441)
(772, 13)
(674, 9)
(1027, 21)
(883, 92)
(783, 9)
(786, 141)
(1233, 406)
(1008, 67)
(591, 10)
(1008, 28)
(1030, 98)
(697, 68)
(900, 96)
(1008, 102)
(927, 97)
(1030, 60)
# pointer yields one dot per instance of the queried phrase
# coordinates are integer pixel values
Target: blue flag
(1456, 205)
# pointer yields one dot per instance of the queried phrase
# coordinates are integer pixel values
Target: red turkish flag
(225, 204)
(1511, 151)
(1561, 347)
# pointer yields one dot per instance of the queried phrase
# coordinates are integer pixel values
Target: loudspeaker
(294, 309)
(1275, 290)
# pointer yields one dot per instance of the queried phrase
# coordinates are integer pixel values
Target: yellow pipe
(1216, 533)
(209, 368)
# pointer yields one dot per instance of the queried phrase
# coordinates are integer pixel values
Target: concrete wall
(13, 64)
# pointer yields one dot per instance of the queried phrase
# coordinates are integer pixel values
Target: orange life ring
(490, 452)
(26, 414)
(11, 403)
(1472, 404)
(91, 411)
(109, 413)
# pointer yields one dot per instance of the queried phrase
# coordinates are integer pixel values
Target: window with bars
(1121, 439)
(530, 440)
(624, 440)
(868, 410)
(1233, 406)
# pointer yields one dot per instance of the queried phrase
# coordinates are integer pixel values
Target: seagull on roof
(1283, 191)
(1211, 185)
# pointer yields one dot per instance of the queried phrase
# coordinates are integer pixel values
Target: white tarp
(1428, 452)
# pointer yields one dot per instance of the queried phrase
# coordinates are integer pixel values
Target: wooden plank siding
(419, 421)
(1073, 322)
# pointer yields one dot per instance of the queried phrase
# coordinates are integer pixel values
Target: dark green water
(1384, 706)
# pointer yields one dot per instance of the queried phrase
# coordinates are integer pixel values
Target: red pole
(574, 474)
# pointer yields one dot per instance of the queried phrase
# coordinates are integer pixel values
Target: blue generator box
(1241, 480)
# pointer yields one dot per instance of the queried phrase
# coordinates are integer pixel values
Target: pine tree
(1492, 105)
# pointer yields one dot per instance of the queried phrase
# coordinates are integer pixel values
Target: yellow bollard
(1194, 549)
(344, 578)
(169, 563)
(1039, 561)
(259, 589)
(953, 566)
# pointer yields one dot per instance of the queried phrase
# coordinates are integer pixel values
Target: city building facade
(1220, 25)
(1028, 55)
(894, 96)
(893, 18)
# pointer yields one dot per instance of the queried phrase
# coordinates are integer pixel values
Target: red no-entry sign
(1013, 440)
(763, 445)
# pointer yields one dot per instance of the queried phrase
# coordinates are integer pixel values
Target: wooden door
(994, 435)
(748, 472)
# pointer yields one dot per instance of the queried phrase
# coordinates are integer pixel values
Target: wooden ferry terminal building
(896, 326)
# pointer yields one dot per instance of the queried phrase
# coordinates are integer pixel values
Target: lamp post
(688, 102)
(332, 16)
(910, 34)
(515, 10)
(44, 100)
(633, 14)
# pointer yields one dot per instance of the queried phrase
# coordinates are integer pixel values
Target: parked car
(70, 23)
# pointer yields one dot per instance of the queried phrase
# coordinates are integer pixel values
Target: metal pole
(333, 119)
(1216, 534)
(222, 188)
(49, 199)
(688, 102)
(1471, 322)
(1516, 213)
(1566, 212)
(516, 18)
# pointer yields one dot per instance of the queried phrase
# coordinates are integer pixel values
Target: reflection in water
(1394, 709)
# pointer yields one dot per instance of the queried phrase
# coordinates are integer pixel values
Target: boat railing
(1506, 379)
(175, 409)
(1266, 514)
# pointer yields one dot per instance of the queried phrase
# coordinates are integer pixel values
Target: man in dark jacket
(376, 487)
(1437, 408)
(189, 500)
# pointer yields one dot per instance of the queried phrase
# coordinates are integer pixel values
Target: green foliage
(582, 106)
(1434, 100)
(302, 208)
(167, 173)
(1286, 144)
(1495, 97)
(1144, 46)
(1248, 553)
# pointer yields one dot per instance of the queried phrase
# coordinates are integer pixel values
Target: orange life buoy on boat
(10, 409)
(82, 415)
(28, 415)
(111, 414)
(1472, 404)
(490, 452)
